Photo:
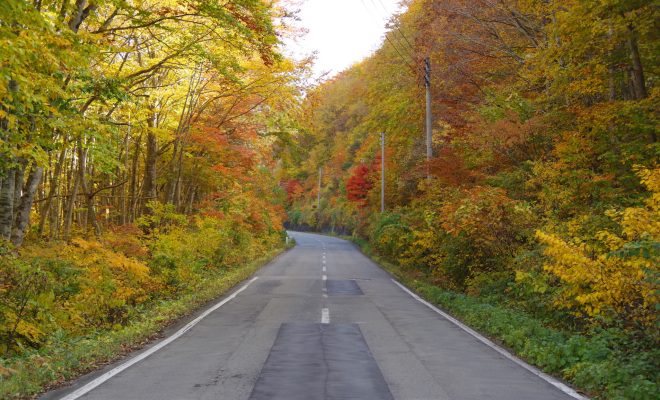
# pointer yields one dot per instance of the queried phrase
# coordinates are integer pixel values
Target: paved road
(322, 322)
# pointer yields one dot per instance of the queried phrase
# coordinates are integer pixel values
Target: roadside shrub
(75, 287)
(616, 280)
(391, 235)
(26, 302)
(126, 239)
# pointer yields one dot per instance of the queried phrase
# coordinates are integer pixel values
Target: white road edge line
(554, 382)
(325, 316)
(103, 378)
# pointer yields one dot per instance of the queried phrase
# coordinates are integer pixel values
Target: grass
(603, 363)
(65, 358)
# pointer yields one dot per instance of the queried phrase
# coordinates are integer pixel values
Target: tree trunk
(7, 204)
(133, 189)
(149, 183)
(639, 85)
(18, 183)
(70, 205)
(191, 201)
(123, 190)
(23, 214)
(90, 217)
(52, 191)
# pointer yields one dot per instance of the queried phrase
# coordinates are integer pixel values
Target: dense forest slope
(544, 188)
(138, 141)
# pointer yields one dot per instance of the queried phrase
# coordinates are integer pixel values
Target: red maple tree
(359, 184)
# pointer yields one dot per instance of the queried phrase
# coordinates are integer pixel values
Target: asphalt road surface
(321, 322)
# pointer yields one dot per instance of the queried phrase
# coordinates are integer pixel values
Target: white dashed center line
(325, 312)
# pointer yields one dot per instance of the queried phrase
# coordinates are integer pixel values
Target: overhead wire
(391, 42)
(397, 27)
(409, 49)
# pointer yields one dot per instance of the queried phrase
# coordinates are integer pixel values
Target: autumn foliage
(139, 148)
(358, 185)
(542, 182)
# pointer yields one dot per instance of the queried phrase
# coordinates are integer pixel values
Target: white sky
(342, 32)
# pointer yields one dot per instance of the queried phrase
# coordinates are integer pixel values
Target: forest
(537, 218)
(138, 141)
(152, 153)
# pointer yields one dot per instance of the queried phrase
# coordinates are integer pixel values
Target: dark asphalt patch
(339, 288)
(320, 362)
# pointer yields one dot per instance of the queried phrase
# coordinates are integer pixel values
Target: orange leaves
(449, 168)
(209, 138)
(215, 214)
(124, 239)
(294, 190)
(488, 217)
(227, 155)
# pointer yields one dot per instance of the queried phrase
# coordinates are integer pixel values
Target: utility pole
(429, 116)
(382, 172)
(318, 196)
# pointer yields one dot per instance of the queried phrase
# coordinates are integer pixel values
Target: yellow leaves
(569, 258)
(21, 327)
(487, 215)
(107, 281)
(638, 221)
(651, 179)
(84, 244)
(641, 221)
(29, 331)
(611, 240)
(621, 279)
(95, 253)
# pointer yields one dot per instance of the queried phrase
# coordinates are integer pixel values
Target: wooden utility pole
(429, 116)
(382, 172)
(318, 195)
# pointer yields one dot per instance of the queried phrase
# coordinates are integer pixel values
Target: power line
(399, 53)
(403, 46)
(403, 58)
(396, 26)
(382, 172)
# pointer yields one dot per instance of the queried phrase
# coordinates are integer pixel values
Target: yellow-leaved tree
(621, 281)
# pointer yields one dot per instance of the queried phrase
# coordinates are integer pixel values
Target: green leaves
(496, 105)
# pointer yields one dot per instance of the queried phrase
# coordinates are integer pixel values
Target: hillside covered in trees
(138, 141)
(539, 219)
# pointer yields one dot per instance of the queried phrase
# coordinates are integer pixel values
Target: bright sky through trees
(342, 32)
